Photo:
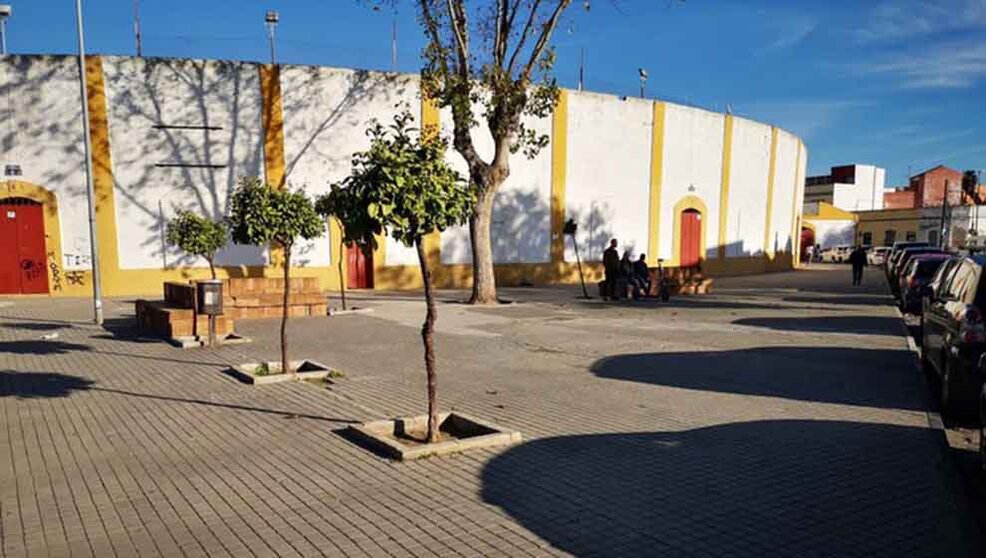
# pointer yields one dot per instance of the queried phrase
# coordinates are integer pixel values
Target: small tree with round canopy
(198, 236)
(402, 185)
(261, 214)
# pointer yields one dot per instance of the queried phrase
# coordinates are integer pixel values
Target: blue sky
(896, 83)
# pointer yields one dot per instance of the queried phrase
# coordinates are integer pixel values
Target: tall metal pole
(137, 27)
(581, 68)
(273, 51)
(97, 295)
(3, 35)
(393, 48)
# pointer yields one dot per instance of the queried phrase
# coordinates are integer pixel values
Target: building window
(889, 237)
(912, 236)
(867, 239)
(933, 237)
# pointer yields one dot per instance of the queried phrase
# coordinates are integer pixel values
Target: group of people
(624, 273)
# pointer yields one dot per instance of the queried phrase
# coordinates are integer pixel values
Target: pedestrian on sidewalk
(611, 267)
(858, 260)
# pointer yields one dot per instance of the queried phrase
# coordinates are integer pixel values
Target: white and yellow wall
(170, 134)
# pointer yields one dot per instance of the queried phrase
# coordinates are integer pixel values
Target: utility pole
(271, 19)
(393, 47)
(643, 80)
(137, 27)
(942, 241)
(581, 68)
(5, 12)
(97, 295)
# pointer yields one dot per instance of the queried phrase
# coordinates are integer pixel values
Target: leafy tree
(261, 214)
(198, 236)
(494, 53)
(341, 207)
(403, 185)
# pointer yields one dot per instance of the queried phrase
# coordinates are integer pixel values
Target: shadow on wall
(800, 373)
(766, 488)
(520, 231)
(595, 232)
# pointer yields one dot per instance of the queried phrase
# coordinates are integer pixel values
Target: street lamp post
(5, 12)
(97, 295)
(271, 19)
(643, 80)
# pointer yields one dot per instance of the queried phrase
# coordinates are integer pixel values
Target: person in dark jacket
(611, 267)
(641, 276)
(857, 258)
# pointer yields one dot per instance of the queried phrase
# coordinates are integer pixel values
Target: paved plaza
(781, 416)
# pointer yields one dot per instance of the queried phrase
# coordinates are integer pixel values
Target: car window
(962, 283)
(927, 268)
(946, 279)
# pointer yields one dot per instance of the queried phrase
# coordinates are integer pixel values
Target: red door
(23, 265)
(691, 238)
(359, 268)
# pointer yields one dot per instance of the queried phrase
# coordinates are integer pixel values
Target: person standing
(611, 267)
(858, 261)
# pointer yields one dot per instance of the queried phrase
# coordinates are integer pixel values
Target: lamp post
(97, 295)
(643, 79)
(5, 12)
(271, 19)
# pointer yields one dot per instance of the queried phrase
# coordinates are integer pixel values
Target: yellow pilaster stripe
(102, 177)
(727, 155)
(795, 209)
(770, 192)
(431, 127)
(656, 181)
(272, 119)
(559, 155)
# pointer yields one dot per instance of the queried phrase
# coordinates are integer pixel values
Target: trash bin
(209, 301)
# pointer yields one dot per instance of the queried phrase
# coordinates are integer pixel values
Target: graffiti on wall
(56, 272)
(77, 260)
(75, 278)
(32, 269)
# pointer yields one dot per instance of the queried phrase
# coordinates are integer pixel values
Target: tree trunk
(483, 277)
(212, 268)
(428, 337)
(342, 278)
(285, 368)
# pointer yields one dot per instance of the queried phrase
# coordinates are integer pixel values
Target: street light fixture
(643, 79)
(271, 19)
(5, 12)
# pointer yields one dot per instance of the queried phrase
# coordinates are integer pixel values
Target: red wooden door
(359, 268)
(691, 238)
(23, 264)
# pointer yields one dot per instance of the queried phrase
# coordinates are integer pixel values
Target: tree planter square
(401, 438)
(252, 372)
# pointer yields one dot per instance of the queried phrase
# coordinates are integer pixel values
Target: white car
(836, 254)
(877, 255)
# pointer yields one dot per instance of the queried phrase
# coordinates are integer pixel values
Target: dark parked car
(953, 333)
(897, 265)
(918, 273)
(897, 247)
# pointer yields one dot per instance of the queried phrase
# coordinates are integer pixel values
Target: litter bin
(209, 301)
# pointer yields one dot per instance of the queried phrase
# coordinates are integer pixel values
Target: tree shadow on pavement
(767, 488)
(41, 347)
(217, 404)
(36, 385)
(872, 325)
(867, 377)
(36, 326)
(848, 300)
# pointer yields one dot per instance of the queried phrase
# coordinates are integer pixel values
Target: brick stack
(175, 316)
(261, 297)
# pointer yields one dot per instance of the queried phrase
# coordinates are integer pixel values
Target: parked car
(953, 333)
(918, 273)
(982, 428)
(836, 254)
(877, 255)
(895, 251)
(896, 266)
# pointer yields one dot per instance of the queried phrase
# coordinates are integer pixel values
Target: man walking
(858, 260)
(611, 266)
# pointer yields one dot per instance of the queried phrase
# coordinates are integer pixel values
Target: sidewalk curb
(933, 417)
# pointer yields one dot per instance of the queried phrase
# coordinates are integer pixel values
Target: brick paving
(781, 416)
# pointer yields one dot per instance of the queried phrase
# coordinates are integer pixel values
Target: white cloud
(954, 65)
(899, 19)
(790, 32)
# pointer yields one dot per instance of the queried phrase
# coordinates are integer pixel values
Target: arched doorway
(691, 238)
(23, 262)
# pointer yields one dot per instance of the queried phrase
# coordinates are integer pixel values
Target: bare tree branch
(531, 18)
(546, 31)
(460, 30)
